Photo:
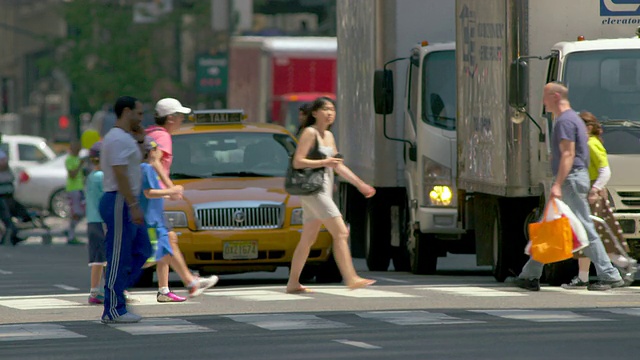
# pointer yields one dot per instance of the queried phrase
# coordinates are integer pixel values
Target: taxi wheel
(308, 273)
(146, 278)
(328, 272)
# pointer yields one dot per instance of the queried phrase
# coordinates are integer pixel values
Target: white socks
(163, 290)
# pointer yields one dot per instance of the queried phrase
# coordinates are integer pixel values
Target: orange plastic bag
(551, 241)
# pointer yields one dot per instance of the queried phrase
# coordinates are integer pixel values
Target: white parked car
(43, 186)
(25, 151)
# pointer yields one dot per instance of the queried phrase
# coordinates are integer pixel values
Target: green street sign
(211, 74)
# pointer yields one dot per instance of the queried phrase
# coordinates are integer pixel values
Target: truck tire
(378, 246)
(423, 253)
(508, 240)
(561, 272)
(400, 254)
(354, 208)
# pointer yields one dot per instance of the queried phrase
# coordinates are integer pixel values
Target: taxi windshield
(230, 154)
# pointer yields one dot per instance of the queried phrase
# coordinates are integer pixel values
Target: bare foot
(299, 290)
(362, 283)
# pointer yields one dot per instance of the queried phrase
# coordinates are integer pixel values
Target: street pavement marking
(158, 326)
(540, 315)
(258, 295)
(150, 299)
(66, 287)
(362, 293)
(415, 318)
(472, 291)
(360, 344)
(584, 291)
(391, 280)
(5, 272)
(626, 311)
(287, 321)
(39, 304)
(35, 332)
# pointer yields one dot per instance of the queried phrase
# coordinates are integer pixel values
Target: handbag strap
(551, 203)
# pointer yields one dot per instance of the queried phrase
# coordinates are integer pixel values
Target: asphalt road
(460, 313)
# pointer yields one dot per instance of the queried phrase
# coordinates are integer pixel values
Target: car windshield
(230, 154)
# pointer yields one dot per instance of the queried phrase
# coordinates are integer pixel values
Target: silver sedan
(43, 186)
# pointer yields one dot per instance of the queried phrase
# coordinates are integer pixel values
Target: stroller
(26, 219)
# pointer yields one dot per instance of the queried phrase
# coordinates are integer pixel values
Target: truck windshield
(439, 89)
(605, 83)
(230, 154)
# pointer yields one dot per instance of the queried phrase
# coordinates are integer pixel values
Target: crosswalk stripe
(540, 315)
(625, 311)
(36, 332)
(258, 295)
(472, 291)
(362, 293)
(157, 326)
(287, 321)
(414, 318)
(39, 304)
(583, 292)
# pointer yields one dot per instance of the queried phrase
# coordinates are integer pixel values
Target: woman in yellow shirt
(609, 229)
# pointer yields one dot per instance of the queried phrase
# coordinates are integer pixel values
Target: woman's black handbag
(306, 181)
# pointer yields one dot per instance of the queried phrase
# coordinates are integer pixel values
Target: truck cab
(603, 77)
(430, 124)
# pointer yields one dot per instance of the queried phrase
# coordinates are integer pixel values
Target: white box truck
(508, 50)
(479, 193)
(370, 33)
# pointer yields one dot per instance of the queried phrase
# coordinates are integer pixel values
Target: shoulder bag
(307, 181)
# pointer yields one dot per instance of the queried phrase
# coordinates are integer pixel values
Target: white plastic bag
(580, 239)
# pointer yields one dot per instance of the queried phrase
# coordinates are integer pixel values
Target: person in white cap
(169, 116)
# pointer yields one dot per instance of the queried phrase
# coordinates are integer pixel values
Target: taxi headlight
(296, 216)
(176, 218)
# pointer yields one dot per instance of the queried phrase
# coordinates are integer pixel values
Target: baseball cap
(94, 151)
(149, 144)
(168, 106)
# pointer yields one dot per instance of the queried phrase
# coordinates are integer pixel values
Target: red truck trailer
(267, 73)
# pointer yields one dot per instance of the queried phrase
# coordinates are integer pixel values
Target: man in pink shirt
(169, 116)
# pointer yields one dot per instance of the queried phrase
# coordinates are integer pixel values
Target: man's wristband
(135, 203)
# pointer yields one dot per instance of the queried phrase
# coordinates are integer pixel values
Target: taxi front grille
(240, 218)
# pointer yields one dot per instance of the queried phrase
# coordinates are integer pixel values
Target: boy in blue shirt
(167, 250)
(95, 225)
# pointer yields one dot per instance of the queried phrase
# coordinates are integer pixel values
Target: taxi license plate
(240, 250)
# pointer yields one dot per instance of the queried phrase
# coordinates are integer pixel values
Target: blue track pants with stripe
(127, 249)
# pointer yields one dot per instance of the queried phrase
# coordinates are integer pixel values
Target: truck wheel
(508, 239)
(423, 253)
(377, 242)
(561, 272)
(400, 254)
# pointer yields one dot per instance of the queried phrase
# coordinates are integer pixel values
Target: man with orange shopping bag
(569, 164)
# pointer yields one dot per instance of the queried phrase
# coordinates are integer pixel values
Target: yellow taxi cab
(235, 215)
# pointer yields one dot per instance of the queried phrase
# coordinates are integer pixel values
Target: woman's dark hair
(317, 104)
(124, 102)
(591, 120)
(160, 120)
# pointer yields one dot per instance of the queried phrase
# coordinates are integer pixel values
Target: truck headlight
(296, 216)
(438, 185)
(177, 219)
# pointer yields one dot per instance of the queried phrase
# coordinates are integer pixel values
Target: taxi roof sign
(209, 117)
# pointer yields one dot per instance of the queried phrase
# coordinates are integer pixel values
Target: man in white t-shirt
(127, 241)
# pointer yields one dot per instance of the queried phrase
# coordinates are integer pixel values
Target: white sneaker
(126, 318)
(202, 284)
